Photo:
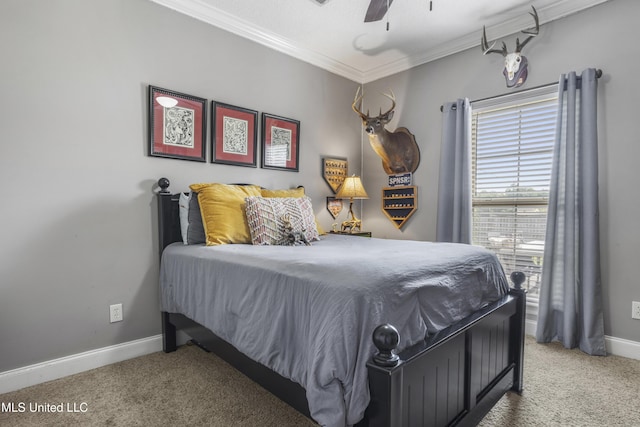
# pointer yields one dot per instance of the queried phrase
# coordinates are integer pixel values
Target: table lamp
(352, 188)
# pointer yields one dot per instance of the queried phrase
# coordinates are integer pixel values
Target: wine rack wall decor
(399, 203)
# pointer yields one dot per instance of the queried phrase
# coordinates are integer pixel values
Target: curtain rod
(598, 75)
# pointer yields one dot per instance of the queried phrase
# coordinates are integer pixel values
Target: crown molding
(221, 19)
(205, 12)
(550, 13)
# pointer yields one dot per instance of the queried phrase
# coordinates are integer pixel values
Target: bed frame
(451, 378)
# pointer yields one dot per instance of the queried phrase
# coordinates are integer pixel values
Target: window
(512, 153)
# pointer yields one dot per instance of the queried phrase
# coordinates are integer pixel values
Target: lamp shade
(352, 188)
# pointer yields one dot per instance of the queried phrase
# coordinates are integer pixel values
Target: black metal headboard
(168, 216)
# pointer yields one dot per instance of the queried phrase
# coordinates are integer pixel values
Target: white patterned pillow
(265, 218)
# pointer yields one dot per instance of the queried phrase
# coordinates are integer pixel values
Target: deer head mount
(398, 150)
(515, 64)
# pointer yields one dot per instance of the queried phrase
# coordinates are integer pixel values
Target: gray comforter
(308, 312)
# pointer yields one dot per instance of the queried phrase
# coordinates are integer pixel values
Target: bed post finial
(518, 278)
(386, 339)
(163, 183)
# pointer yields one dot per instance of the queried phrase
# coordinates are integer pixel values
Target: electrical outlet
(635, 310)
(115, 313)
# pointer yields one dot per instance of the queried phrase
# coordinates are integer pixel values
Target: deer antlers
(357, 104)
(532, 32)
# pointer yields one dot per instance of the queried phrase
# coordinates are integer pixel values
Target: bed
(339, 334)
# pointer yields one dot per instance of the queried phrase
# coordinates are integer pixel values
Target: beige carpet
(194, 388)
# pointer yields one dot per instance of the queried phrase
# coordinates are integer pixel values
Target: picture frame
(234, 135)
(280, 143)
(177, 125)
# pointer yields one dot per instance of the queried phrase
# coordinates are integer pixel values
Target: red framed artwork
(177, 125)
(280, 143)
(234, 136)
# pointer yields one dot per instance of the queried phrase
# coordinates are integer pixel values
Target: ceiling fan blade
(376, 11)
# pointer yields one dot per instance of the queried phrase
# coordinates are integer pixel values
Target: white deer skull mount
(515, 64)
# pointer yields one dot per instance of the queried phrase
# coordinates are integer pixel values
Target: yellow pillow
(223, 212)
(294, 192)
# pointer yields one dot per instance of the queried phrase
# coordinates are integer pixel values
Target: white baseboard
(615, 346)
(76, 363)
(622, 347)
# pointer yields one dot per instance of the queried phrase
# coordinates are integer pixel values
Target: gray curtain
(454, 187)
(570, 309)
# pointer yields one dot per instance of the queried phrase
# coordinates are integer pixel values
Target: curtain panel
(454, 185)
(570, 304)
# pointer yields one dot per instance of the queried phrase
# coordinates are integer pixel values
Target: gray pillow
(191, 225)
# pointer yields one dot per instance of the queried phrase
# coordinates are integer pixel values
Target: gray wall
(79, 213)
(601, 37)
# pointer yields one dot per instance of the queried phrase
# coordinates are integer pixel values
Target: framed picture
(280, 143)
(177, 125)
(234, 136)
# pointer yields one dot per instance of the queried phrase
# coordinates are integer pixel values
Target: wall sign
(400, 179)
(334, 172)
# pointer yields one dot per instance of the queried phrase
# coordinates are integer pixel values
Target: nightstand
(357, 233)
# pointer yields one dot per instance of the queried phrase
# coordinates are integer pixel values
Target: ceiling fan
(376, 11)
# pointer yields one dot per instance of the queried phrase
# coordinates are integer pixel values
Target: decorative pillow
(191, 225)
(183, 209)
(222, 207)
(266, 223)
(294, 192)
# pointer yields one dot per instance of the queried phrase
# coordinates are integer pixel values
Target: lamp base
(353, 224)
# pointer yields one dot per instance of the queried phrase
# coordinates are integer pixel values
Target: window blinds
(512, 152)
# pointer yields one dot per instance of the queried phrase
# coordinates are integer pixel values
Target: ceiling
(333, 36)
